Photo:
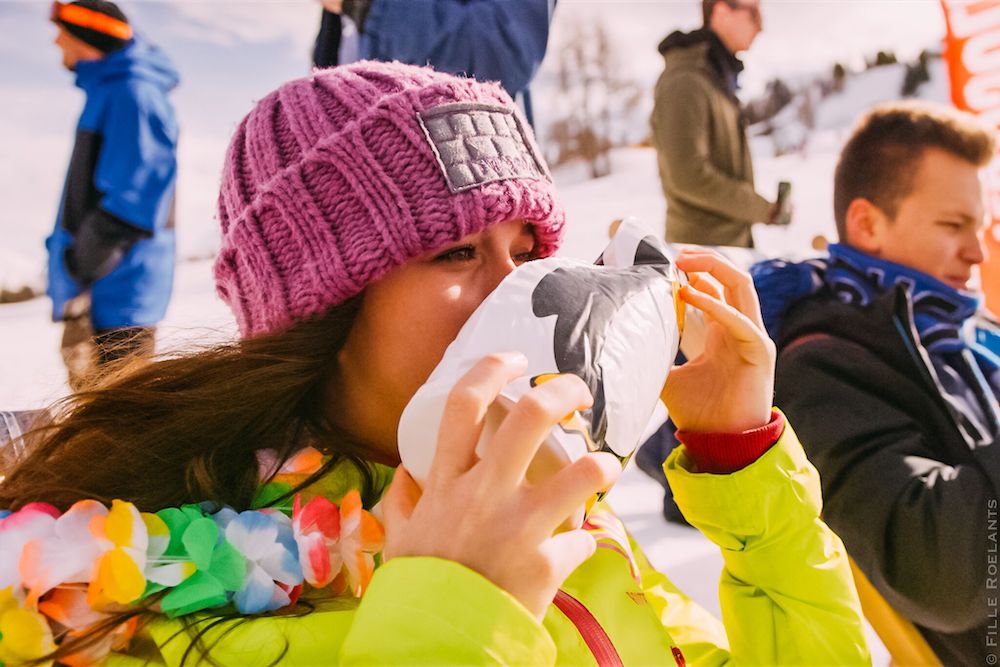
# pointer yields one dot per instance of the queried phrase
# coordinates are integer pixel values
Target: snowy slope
(881, 84)
(20, 277)
(837, 113)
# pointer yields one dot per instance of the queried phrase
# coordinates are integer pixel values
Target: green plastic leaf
(229, 566)
(268, 494)
(200, 540)
(192, 511)
(151, 589)
(177, 522)
(199, 591)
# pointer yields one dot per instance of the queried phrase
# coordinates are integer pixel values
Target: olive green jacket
(703, 154)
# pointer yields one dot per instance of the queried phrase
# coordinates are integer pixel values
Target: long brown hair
(186, 429)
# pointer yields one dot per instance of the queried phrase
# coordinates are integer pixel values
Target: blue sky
(230, 53)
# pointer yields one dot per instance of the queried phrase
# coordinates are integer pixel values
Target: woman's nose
(499, 269)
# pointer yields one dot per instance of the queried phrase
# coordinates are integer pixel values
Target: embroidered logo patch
(477, 144)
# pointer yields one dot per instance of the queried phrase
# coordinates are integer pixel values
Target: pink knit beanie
(334, 179)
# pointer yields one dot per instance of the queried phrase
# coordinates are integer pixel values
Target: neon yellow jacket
(786, 591)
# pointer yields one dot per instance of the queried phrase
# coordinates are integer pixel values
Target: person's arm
(680, 134)
(742, 479)
(915, 525)
(99, 245)
(491, 40)
(327, 46)
(135, 174)
(138, 162)
(786, 591)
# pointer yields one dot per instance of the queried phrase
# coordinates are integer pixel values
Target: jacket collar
(705, 46)
(886, 327)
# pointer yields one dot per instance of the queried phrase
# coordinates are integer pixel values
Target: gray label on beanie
(477, 144)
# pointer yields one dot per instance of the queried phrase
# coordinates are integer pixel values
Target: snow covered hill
(837, 113)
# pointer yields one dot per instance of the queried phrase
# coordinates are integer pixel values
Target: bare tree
(595, 100)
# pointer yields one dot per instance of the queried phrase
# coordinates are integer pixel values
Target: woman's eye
(950, 225)
(460, 254)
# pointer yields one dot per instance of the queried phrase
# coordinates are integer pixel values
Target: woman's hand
(481, 512)
(729, 387)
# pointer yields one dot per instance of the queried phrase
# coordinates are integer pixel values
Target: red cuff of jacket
(723, 453)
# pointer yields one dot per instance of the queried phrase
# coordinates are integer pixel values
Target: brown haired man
(891, 388)
(699, 131)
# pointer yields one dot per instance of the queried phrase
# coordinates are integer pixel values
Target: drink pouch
(616, 324)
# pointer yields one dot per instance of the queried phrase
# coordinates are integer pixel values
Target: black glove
(99, 244)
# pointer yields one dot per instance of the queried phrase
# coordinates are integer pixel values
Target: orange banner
(972, 53)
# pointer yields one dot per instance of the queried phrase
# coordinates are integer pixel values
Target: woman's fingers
(514, 444)
(738, 285)
(703, 284)
(567, 551)
(464, 411)
(558, 497)
(738, 325)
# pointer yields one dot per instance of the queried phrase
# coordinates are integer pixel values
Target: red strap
(590, 629)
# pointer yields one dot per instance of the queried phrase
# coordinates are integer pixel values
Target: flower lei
(62, 573)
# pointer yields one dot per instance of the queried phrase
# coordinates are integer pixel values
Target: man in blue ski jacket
(111, 254)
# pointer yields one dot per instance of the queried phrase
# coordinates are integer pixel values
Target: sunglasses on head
(89, 19)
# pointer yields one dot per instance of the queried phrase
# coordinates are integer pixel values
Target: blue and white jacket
(114, 230)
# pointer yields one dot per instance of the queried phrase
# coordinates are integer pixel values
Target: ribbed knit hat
(98, 23)
(334, 179)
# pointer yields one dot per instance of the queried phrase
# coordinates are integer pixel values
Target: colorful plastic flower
(32, 522)
(338, 545)
(265, 540)
(167, 562)
(25, 634)
(304, 462)
(60, 575)
(66, 556)
(89, 544)
(219, 568)
(69, 609)
(317, 532)
(122, 538)
(361, 537)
